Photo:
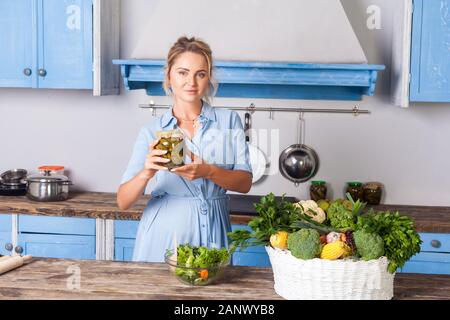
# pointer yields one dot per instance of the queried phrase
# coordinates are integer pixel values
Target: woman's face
(189, 77)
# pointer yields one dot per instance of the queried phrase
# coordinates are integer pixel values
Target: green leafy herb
(273, 215)
(401, 240)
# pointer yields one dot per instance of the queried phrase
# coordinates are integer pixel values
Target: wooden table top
(103, 205)
(56, 279)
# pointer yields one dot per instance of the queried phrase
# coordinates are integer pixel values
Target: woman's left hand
(195, 170)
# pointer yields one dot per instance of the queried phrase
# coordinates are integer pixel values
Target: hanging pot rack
(253, 108)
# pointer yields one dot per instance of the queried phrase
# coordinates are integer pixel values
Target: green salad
(199, 265)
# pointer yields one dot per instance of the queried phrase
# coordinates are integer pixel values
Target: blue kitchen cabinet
(46, 44)
(255, 256)
(57, 237)
(16, 55)
(5, 232)
(124, 239)
(434, 257)
(430, 56)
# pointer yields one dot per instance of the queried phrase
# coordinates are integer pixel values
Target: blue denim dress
(182, 211)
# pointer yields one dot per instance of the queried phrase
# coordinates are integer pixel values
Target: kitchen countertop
(49, 279)
(103, 205)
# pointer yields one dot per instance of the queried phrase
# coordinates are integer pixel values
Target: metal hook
(271, 113)
(251, 108)
(152, 108)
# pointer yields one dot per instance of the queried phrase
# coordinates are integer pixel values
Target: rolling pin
(13, 262)
(2, 258)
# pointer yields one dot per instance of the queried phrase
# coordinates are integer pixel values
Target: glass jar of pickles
(318, 190)
(355, 189)
(173, 142)
(372, 192)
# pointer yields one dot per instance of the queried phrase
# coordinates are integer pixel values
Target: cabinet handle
(9, 246)
(435, 243)
(27, 72)
(42, 72)
(19, 249)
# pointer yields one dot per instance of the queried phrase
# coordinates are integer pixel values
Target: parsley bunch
(400, 238)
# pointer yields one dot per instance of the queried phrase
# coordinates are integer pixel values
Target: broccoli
(340, 215)
(305, 244)
(369, 245)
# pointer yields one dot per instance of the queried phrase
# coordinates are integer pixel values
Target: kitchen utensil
(13, 176)
(299, 162)
(3, 258)
(257, 157)
(13, 190)
(13, 263)
(48, 187)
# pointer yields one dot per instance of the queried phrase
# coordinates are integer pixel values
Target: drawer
(57, 225)
(428, 263)
(58, 246)
(435, 242)
(5, 222)
(125, 229)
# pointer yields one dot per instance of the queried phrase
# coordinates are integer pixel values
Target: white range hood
(294, 49)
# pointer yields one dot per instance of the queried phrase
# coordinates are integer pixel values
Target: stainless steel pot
(299, 162)
(48, 187)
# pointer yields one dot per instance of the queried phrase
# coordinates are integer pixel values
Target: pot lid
(47, 177)
(14, 175)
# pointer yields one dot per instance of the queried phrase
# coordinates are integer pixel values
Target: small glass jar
(355, 189)
(318, 190)
(373, 192)
(171, 141)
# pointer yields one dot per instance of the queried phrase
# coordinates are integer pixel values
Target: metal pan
(257, 158)
(299, 162)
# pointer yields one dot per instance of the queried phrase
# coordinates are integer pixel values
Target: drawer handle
(27, 72)
(9, 247)
(18, 249)
(42, 72)
(435, 243)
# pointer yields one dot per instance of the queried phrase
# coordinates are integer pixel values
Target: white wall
(406, 149)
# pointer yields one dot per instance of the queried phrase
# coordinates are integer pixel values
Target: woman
(189, 203)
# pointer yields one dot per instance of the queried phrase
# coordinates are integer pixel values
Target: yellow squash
(334, 250)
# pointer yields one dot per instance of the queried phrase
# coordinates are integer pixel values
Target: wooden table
(57, 279)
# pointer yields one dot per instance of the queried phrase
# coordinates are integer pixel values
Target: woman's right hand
(154, 161)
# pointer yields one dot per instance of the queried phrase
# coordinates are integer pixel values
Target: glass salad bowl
(196, 272)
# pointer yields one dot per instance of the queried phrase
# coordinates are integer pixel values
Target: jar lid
(355, 184)
(54, 168)
(47, 177)
(318, 182)
(373, 185)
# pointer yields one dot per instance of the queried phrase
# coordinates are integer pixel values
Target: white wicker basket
(320, 279)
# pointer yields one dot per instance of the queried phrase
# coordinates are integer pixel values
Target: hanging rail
(252, 108)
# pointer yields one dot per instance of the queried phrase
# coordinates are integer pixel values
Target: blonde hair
(195, 45)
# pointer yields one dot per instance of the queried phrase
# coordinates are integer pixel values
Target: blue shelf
(269, 80)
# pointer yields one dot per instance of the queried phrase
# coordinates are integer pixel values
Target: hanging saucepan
(299, 162)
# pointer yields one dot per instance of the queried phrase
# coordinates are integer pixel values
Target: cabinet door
(18, 45)
(65, 44)
(125, 237)
(58, 246)
(430, 52)
(123, 249)
(5, 232)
